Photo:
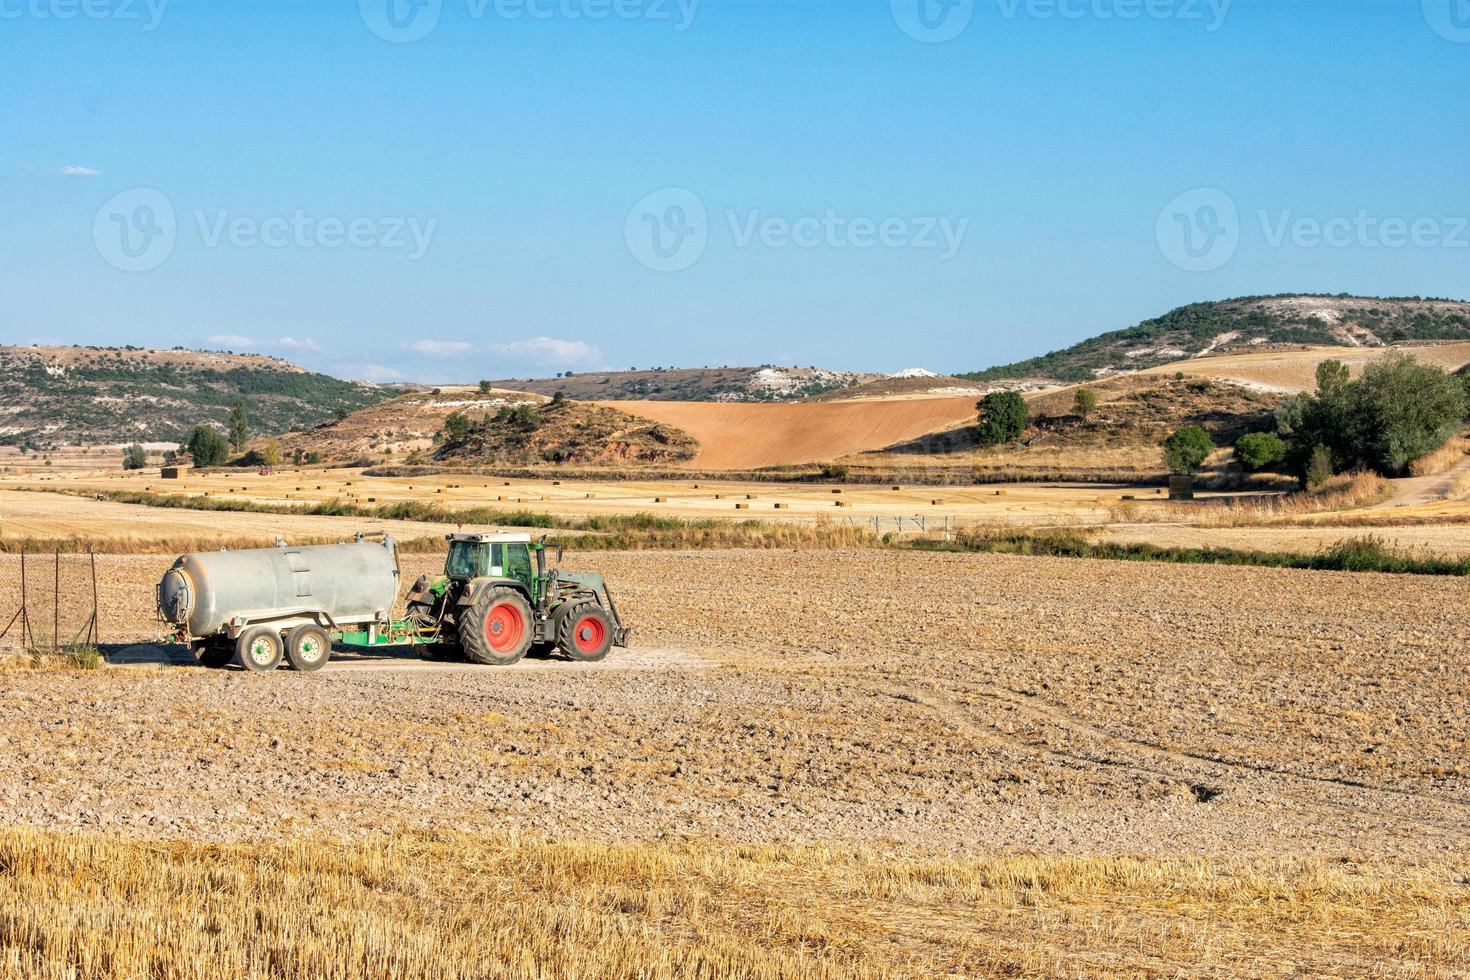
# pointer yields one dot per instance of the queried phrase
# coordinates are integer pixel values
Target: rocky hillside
(98, 395)
(1251, 323)
(723, 384)
(566, 432)
(411, 422)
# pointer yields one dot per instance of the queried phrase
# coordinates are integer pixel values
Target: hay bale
(836, 491)
(936, 502)
(782, 506)
(895, 488)
(841, 503)
(742, 506)
(660, 500)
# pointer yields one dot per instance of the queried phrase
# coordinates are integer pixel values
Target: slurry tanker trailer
(495, 602)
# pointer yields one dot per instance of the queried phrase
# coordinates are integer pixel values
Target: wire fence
(52, 603)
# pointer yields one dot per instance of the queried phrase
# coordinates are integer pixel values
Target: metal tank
(205, 592)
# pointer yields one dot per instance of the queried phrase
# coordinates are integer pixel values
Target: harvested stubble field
(968, 763)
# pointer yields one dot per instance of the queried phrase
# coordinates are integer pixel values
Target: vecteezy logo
(1199, 230)
(933, 21)
(668, 230)
(401, 21)
(1450, 19)
(136, 230)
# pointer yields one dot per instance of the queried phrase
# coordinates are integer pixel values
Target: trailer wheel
(213, 656)
(497, 629)
(586, 633)
(308, 648)
(259, 649)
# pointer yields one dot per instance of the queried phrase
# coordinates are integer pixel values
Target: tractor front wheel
(497, 629)
(586, 633)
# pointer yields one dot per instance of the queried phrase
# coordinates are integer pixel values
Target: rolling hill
(92, 395)
(1250, 323)
(722, 384)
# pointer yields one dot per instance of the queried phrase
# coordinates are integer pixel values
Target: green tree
(1003, 417)
(484, 387)
(239, 425)
(1319, 467)
(1260, 450)
(559, 399)
(1332, 377)
(271, 454)
(135, 457)
(206, 447)
(1400, 410)
(456, 426)
(1186, 450)
(1084, 403)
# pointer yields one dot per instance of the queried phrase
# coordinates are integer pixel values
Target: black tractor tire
(585, 633)
(213, 656)
(497, 629)
(308, 648)
(259, 649)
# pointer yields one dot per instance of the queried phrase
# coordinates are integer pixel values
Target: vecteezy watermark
(1450, 19)
(937, 21)
(669, 230)
(147, 13)
(404, 21)
(1201, 230)
(137, 231)
(932, 21)
(1363, 230)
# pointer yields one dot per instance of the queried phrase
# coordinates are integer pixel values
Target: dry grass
(452, 906)
(1344, 492)
(1442, 460)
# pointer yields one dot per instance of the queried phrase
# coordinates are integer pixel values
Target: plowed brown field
(740, 436)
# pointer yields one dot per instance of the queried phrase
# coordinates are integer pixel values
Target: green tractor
(496, 601)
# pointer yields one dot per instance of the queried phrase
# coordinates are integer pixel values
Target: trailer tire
(308, 648)
(586, 633)
(213, 656)
(259, 649)
(497, 629)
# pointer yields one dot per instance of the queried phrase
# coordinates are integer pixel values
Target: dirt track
(740, 436)
(966, 702)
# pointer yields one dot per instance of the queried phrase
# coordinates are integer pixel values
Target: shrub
(1186, 450)
(456, 426)
(206, 447)
(1319, 467)
(1003, 417)
(1260, 450)
(135, 457)
(1084, 403)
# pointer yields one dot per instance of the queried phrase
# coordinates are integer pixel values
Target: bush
(1260, 450)
(456, 426)
(1319, 467)
(1186, 450)
(1003, 417)
(206, 447)
(1084, 403)
(134, 457)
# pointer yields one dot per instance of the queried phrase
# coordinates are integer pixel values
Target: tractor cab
(473, 556)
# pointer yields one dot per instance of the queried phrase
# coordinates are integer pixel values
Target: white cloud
(291, 343)
(231, 340)
(549, 350)
(439, 348)
(80, 172)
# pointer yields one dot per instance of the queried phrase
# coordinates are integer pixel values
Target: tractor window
(518, 562)
(466, 560)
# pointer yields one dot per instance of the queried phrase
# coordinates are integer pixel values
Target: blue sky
(533, 186)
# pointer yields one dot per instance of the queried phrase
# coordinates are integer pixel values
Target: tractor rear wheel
(586, 633)
(497, 628)
(308, 648)
(259, 649)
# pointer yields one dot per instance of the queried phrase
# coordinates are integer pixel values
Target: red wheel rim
(504, 627)
(589, 634)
